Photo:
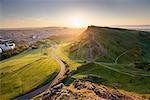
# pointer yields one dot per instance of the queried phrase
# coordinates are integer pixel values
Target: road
(62, 66)
(31, 94)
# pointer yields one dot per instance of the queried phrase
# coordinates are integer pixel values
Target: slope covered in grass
(64, 55)
(26, 71)
(121, 76)
(117, 58)
(106, 44)
(115, 77)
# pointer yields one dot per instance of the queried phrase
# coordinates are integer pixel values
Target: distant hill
(111, 45)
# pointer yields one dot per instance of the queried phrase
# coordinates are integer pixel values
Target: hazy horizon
(123, 26)
(73, 13)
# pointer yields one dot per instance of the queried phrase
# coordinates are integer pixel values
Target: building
(6, 45)
(1, 50)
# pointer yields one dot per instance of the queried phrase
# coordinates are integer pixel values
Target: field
(26, 71)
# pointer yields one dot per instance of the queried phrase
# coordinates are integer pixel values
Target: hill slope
(26, 71)
(110, 44)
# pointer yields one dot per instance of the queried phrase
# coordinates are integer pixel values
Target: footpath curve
(32, 94)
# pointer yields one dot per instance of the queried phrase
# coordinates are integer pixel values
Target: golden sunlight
(77, 22)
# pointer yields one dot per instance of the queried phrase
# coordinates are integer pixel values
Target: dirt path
(30, 95)
(116, 61)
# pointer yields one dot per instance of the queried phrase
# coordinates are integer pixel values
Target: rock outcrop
(81, 90)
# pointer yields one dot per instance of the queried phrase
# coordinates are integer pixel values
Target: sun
(77, 22)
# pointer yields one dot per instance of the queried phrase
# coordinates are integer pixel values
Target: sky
(72, 13)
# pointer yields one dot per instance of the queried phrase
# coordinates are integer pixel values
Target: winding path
(31, 94)
(62, 66)
(116, 61)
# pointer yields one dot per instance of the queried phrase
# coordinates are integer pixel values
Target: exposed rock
(81, 90)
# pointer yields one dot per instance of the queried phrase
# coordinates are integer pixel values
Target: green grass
(115, 42)
(117, 77)
(130, 68)
(24, 72)
(64, 55)
(126, 45)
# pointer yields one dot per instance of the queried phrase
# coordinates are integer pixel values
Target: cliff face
(106, 44)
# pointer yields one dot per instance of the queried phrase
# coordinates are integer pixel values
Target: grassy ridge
(106, 44)
(25, 72)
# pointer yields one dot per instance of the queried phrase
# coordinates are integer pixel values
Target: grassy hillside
(26, 71)
(107, 44)
(120, 58)
(126, 79)
(63, 55)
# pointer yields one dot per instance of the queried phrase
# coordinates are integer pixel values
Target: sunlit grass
(62, 54)
(24, 72)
